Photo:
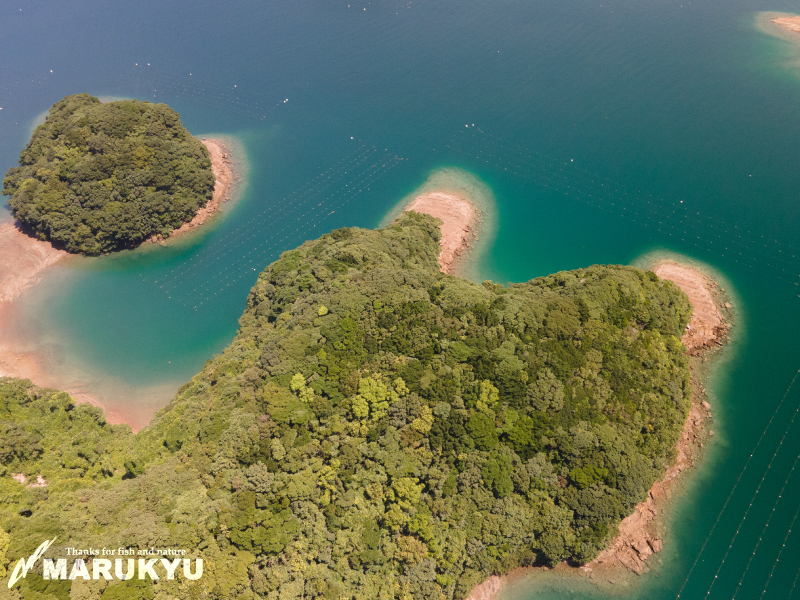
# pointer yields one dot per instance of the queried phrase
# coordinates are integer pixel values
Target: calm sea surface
(606, 130)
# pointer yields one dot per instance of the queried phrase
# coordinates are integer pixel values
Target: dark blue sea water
(606, 130)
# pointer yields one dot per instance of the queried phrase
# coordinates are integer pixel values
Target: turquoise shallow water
(604, 129)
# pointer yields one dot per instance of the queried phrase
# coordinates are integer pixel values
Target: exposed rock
(642, 546)
(21, 478)
(638, 537)
(792, 23)
(706, 325)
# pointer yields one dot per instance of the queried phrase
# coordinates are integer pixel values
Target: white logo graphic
(102, 567)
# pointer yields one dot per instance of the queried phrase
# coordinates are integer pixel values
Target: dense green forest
(97, 177)
(375, 430)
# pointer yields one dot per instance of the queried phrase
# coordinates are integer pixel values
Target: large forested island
(97, 177)
(377, 429)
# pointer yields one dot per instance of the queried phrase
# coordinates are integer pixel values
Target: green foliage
(481, 429)
(421, 434)
(587, 476)
(131, 589)
(497, 475)
(5, 542)
(36, 587)
(97, 177)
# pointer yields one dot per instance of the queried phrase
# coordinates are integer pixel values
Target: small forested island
(377, 429)
(101, 176)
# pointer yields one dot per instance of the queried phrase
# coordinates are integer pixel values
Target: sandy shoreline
(24, 261)
(791, 23)
(468, 211)
(31, 366)
(458, 216)
(784, 26)
(224, 174)
(23, 258)
(639, 536)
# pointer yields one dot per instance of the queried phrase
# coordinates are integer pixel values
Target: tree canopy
(377, 429)
(97, 177)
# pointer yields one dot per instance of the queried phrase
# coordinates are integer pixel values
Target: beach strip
(457, 214)
(24, 260)
(224, 174)
(792, 23)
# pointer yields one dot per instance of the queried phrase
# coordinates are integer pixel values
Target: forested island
(101, 176)
(377, 429)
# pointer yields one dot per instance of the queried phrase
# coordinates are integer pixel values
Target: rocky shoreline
(706, 332)
(791, 23)
(639, 534)
(23, 260)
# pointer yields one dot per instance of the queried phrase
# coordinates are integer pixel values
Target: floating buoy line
(736, 486)
(672, 219)
(246, 250)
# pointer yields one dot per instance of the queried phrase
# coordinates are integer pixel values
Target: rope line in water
(292, 199)
(215, 252)
(764, 529)
(736, 485)
(785, 539)
(673, 219)
(529, 156)
(678, 230)
(752, 500)
(342, 200)
(302, 211)
(316, 185)
(794, 584)
(278, 242)
(158, 84)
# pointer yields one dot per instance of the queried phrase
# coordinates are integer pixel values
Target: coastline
(225, 174)
(467, 210)
(25, 260)
(640, 533)
(784, 26)
(789, 22)
(35, 366)
(458, 216)
(707, 331)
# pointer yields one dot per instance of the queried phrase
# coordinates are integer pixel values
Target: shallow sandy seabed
(457, 215)
(468, 211)
(784, 26)
(24, 260)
